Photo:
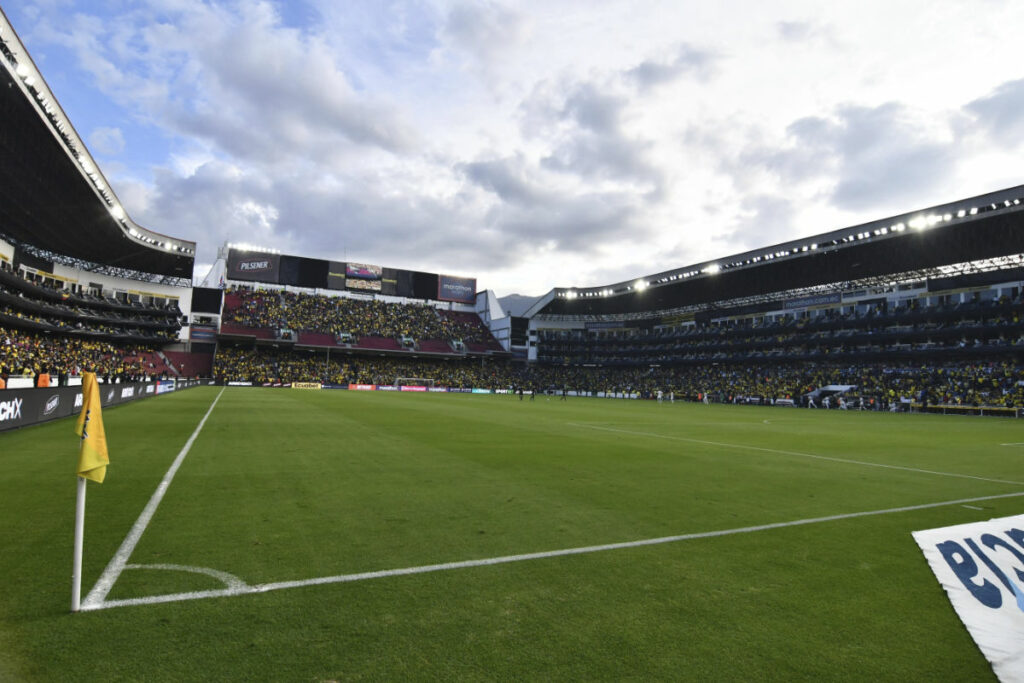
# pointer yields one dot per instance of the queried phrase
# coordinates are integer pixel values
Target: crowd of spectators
(879, 384)
(32, 301)
(30, 354)
(338, 315)
(856, 333)
(265, 366)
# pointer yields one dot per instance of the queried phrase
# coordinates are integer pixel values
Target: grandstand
(82, 286)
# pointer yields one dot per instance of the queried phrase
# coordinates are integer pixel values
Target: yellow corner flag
(93, 459)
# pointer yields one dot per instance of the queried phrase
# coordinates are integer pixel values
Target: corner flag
(93, 458)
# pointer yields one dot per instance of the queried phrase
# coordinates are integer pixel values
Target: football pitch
(261, 534)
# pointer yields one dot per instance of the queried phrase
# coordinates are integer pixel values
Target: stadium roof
(52, 193)
(988, 228)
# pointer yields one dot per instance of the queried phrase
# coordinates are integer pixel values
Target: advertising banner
(407, 388)
(362, 387)
(336, 275)
(820, 300)
(981, 567)
(459, 289)
(306, 385)
(252, 265)
(23, 407)
(202, 333)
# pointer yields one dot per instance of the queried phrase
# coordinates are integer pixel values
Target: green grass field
(288, 485)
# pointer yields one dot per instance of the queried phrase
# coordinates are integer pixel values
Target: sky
(538, 143)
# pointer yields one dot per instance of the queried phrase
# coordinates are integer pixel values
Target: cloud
(484, 30)
(871, 156)
(583, 128)
(108, 141)
(1001, 113)
(531, 213)
(805, 32)
(767, 219)
(688, 61)
(280, 95)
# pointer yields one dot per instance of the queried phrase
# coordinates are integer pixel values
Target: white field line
(506, 559)
(761, 449)
(117, 563)
(1015, 443)
(229, 580)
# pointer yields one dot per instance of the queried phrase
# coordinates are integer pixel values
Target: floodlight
(22, 71)
(640, 285)
(712, 269)
(117, 212)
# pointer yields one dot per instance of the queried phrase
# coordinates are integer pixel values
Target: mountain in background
(516, 304)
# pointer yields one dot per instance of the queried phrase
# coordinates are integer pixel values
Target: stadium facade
(941, 285)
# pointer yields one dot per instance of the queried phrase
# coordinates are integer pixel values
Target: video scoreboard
(298, 271)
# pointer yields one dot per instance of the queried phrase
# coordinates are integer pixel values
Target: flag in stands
(93, 459)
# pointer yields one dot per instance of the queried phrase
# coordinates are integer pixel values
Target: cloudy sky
(536, 143)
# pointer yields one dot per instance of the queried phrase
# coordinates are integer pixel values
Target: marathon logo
(78, 401)
(452, 288)
(10, 410)
(128, 392)
(52, 404)
(981, 567)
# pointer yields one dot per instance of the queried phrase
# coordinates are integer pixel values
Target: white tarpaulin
(981, 566)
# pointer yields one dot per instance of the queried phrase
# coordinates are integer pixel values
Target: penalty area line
(507, 559)
(117, 563)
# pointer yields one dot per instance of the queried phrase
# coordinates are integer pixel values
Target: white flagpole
(76, 574)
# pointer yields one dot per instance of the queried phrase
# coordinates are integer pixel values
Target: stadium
(711, 472)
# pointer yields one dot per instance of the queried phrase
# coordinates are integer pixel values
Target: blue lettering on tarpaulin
(989, 563)
(990, 541)
(973, 562)
(966, 569)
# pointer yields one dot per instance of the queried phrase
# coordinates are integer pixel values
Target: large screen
(297, 271)
(303, 272)
(253, 265)
(460, 289)
(206, 300)
(365, 285)
(363, 270)
(424, 285)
